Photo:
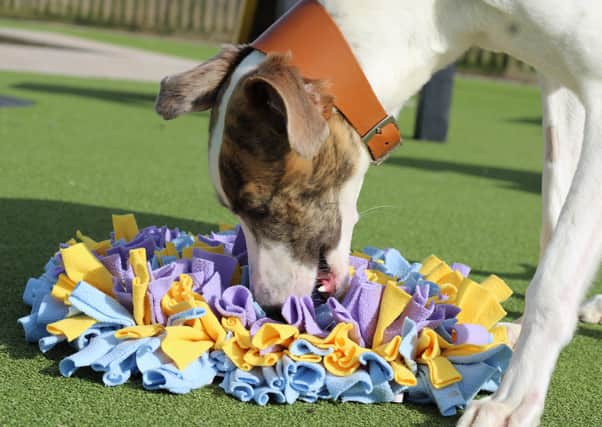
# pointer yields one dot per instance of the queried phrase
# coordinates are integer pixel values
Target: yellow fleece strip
(63, 288)
(71, 327)
(344, 359)
(139, 331)
(184, 344)
(125, 227)
(140, 298)
(80, 264)
(429, 264)
(498, 287)
(428, 351)
(392, 303)
(478, 304)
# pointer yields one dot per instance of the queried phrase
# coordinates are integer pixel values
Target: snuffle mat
(176, 308)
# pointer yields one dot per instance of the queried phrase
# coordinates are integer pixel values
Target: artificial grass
(89, 148)
(178, 47)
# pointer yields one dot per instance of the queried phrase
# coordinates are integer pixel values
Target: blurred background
(240, 21)
(79, 140)
(233, 21)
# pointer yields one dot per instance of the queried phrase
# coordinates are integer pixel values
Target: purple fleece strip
(123, 295)
(113, 264)
(212, 290)
(441, 313)
(223, 264)
(157, 289)
(204, 265)
(173, 270)
(463, 269)
(210, 241)
(300, 312)
(358, 263)
(237, 301)
(362, 301)
(148, 243)
(416, 309)
(471, 334)
(341, 315)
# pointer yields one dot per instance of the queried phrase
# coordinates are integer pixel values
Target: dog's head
(283, 160)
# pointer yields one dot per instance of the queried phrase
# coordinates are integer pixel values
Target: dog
(290, 166)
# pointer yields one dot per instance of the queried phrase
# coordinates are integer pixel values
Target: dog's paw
(591, 311)
(491, 412)
(519, 401)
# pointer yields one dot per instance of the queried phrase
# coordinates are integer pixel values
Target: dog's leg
(565, 271)
(563, 122)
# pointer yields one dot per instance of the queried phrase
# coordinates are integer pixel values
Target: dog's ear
(196, 89)
(300, 105)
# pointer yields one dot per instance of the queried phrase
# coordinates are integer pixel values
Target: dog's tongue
(326, 283)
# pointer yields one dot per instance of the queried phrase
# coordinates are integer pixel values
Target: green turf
(89, 148)
(177, 47)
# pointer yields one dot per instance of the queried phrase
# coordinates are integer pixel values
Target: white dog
(294, 184)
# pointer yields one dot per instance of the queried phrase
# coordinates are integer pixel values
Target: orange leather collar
(320, 51)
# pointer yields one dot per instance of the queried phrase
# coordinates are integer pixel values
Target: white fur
(400, 44)
(217, 135)
(274, 272)
(564, 122)
(338, 258)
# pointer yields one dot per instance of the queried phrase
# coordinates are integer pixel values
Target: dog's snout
(271, 288)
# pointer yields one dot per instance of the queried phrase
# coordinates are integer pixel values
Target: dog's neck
(400, 45)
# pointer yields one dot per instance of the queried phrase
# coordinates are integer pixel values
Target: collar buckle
(377, 130)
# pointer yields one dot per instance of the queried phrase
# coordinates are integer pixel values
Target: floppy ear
(302, 105)
(196, 89)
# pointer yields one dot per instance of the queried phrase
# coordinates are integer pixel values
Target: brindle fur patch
(280, 194)
(300, 103)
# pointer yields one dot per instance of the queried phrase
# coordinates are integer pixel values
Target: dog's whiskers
(375, 208)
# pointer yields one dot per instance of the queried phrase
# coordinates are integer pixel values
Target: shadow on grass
(110, 95)
(515, 179)
(16, 40)
(533, 121)
(526, 274)
(31, 231)
(591, 331)
(513, 314)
